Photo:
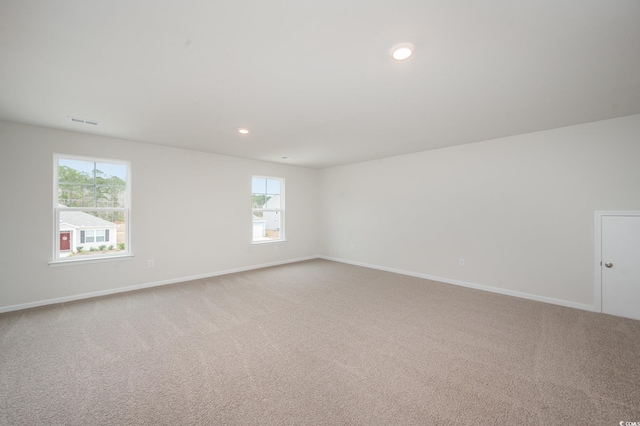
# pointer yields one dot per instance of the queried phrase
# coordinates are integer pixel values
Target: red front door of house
(65, 241)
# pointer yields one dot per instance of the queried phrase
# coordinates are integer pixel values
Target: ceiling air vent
(83, 121)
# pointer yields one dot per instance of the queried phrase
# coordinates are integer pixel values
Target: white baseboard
(498, 290)
(145, 285)
(283, 262)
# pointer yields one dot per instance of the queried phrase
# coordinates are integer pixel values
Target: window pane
(258, 185)
(273, 186)
(79, 170)
(75, 183)
(267, 227)
(273, 202)
(111, 184)
(258, 201)
(87, 184)
(112, 170)
(108, 237)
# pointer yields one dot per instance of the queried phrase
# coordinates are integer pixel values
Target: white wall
(191, 213)
(519, 210)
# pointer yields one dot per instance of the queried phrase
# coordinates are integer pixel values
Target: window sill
(67, 262)
(268, 242)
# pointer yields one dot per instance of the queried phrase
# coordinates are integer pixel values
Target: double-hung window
(267, 198)
(92, 207)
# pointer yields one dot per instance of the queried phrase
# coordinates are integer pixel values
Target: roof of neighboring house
(84, 220)
(272, 202)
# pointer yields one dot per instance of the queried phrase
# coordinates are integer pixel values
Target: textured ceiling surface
(315, 80)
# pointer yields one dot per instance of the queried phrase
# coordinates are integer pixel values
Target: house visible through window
(91, 208)
(267, 197)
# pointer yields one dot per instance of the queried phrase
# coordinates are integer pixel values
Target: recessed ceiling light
(402, 51)
(243, 131)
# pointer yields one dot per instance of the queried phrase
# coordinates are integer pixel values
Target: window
(267, 198)
(92, 206)
(91, 236)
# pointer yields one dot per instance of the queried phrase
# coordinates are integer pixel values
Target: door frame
(597, 264)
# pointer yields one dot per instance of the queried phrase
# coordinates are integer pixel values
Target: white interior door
(621, 266)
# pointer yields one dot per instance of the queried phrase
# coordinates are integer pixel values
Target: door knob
(608, 265)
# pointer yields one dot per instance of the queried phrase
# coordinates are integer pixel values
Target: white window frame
(279, 211)
(127, 252)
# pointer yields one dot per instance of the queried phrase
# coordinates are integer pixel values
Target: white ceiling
(313, 79)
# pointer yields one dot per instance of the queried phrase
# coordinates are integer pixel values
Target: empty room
(339, 212)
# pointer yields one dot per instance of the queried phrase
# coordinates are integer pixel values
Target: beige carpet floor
(314, 343)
